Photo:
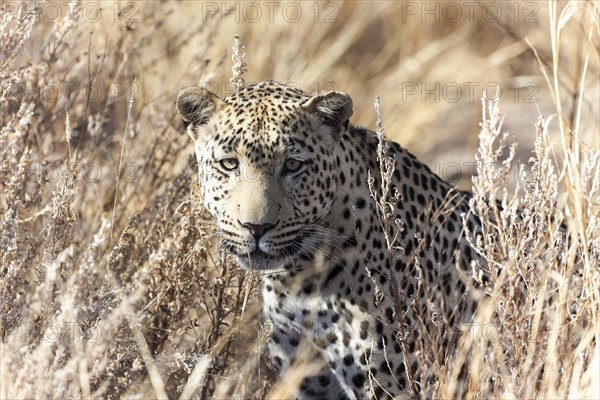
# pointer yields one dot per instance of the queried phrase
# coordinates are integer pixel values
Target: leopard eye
(293, 165)
(229, 164)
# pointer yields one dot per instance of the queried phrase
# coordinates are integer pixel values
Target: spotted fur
(285, 176)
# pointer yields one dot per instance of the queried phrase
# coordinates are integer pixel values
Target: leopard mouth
(259, 259)
(255, 257)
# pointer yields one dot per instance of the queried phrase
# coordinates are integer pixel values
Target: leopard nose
(257, 230)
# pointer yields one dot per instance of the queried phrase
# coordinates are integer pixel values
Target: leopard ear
(196, 106)
(332, 108)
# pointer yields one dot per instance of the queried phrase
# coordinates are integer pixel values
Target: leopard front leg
(283, 349)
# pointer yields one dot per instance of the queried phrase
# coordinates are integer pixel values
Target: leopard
(292, 186)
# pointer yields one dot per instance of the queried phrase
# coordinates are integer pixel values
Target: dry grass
(109, 282)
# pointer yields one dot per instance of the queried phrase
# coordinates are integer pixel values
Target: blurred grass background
(101, 223)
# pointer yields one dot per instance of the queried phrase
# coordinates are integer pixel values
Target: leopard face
(268, 167)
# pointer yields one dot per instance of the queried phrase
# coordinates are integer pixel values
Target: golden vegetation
(109, 282)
